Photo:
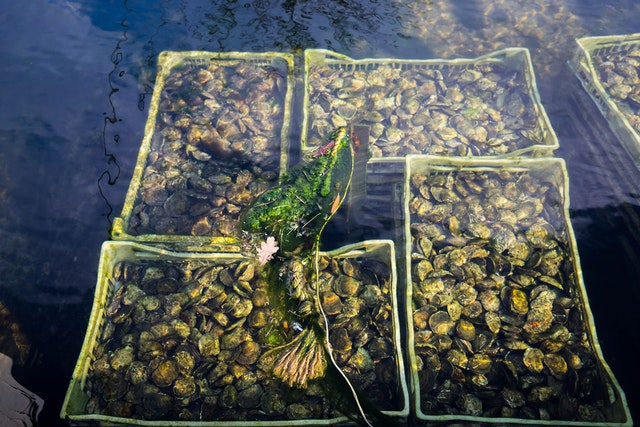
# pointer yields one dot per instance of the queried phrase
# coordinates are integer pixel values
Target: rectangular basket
(82, 401)
(410, 104)
(586, 67)
(217, 133)
(503, 260)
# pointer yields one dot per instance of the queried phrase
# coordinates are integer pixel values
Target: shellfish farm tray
(608, 68)
(216, 136)
(485, 106)
(184, 339)
(499, 324)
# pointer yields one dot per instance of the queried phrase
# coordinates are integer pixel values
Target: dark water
(77, 79)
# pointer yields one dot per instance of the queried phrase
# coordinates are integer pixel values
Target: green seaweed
(296, 211)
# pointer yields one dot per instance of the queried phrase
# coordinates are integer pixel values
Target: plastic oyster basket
(217, 134)
(119, 378)
(485, 106)
(585, 64)
(499, 325)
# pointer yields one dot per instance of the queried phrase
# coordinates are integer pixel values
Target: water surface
(76, 84)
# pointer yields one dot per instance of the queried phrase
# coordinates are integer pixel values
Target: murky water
(76, 85)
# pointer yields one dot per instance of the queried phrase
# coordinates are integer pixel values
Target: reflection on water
(76, 85)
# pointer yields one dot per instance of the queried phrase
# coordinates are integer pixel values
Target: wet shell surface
(494, 298)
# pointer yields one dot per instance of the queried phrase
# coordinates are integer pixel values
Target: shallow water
(76, 85)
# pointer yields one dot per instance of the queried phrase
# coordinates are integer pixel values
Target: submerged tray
(158, 352)
(499, 324)
(217, 135)
(486, 106)
(613, 84)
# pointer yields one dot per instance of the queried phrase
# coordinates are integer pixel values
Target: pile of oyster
(216, 147)
(357, 298)
(620, 76)
(181, 340)
(482, 109)
(498, 329)
(190, 340)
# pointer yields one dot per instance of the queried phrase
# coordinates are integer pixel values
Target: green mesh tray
(505, 265)
(82, 404)
(617, 113)
(429, 106)
(217, 133)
